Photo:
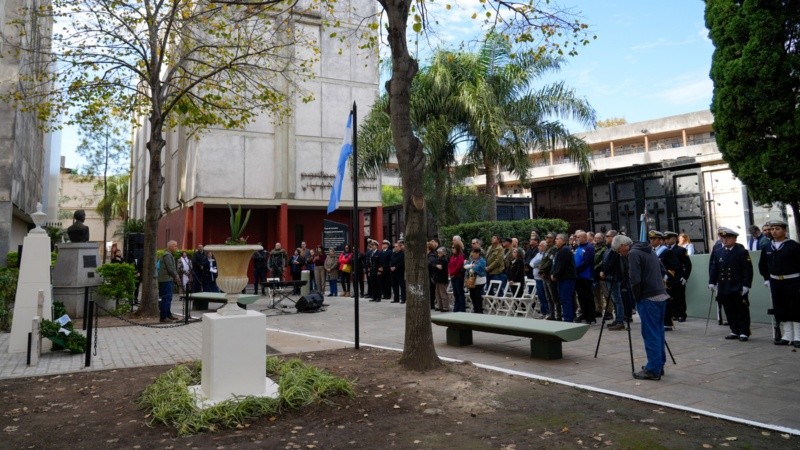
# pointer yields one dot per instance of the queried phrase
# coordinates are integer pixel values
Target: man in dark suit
(385, 272)
(730, 273)
(670, 263)
(678, 289)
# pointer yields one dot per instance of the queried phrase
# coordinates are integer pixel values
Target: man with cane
(730, 274)
(647, 289)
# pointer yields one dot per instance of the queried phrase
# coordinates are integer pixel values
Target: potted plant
(233, 258)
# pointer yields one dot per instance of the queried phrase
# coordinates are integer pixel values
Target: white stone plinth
(234, 358)
(34, 276)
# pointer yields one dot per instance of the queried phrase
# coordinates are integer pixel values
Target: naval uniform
(678, 289)
(780, 265)
(672, 266)
(731, 269)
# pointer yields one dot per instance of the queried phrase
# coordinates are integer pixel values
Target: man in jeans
(647, 289)
(167, 275)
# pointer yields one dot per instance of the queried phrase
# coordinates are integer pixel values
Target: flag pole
(355, 241)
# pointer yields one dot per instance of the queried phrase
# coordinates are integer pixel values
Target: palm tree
(435, 114)
(507, 118)
(114, 203)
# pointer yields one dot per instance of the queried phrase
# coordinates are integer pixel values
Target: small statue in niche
(78, 232)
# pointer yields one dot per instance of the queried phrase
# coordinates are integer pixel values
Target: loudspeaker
(310, 302)
(134, 246)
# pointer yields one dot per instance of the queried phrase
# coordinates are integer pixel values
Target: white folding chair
(492, 290)
(524, 306)
(506, 303)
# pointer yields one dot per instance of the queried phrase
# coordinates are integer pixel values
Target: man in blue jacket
(647, 289)
(584, 271)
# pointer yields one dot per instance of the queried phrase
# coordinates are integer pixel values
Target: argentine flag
(347, 149)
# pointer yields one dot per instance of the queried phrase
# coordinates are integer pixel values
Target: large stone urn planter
(232, 263)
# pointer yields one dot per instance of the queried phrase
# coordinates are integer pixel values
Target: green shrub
(12, 259)
(520, 229)
(8, 292)
(119, 281)
(169, 402)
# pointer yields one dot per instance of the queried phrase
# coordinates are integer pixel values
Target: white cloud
(689, 92)
(661, 42)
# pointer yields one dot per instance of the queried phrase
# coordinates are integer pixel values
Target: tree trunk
(148, 306)
(796, 212)
(105, 201)
(418, 350)
(491, 188)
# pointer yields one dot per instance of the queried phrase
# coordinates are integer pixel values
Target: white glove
(745, 290)
(683, 281)
(766, 283)
(712, 287)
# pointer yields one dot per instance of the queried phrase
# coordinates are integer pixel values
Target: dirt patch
(457, 406)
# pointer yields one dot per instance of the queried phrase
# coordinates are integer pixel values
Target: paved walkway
(753, 382)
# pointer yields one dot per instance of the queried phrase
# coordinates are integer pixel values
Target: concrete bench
(546, 335)
(201, 299)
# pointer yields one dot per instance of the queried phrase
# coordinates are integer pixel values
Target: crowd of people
(579, 277)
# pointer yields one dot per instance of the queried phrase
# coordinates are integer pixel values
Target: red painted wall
(171, 227)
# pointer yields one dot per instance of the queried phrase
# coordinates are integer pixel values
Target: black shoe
(667, 328)
(598, 314)
(395, 301)
(662, 370)
(608, 317)
(681, 319)
(403, 302)
(646, 375)
(372, 300)
(743, 338)
(165, 320)
(732, 336)
(781, 342)
(796, 344)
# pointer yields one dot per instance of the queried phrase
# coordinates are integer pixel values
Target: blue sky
(650, 59)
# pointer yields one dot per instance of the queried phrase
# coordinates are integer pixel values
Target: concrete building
(281, 170)
(670, 167)
(25, 150)
(78, 193)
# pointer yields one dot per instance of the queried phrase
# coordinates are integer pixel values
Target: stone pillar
(75, 269)
(234, 355)
(34, 276)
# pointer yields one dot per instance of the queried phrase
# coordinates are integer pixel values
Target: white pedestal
(34, 276)
(234, 359)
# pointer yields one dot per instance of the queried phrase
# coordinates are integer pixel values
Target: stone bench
(201, 299)
(546, 335)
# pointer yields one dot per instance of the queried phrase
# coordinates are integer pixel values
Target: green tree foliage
(508, 116)
(756, 74)
(391, 195)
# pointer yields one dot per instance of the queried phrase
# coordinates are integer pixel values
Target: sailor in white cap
(780, 267)
(730, 273)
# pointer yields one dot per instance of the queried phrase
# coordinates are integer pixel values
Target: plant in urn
(233, 258)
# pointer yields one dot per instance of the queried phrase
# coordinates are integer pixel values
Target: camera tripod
(628, 313)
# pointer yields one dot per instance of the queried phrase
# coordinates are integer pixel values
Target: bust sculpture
(78, 232)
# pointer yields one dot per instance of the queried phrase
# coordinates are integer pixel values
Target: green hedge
(520, 229)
